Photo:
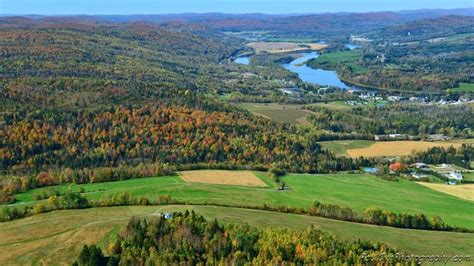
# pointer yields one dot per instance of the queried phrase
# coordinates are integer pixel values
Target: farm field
(69, 230)
(468, 176)
(397, 148)
(335, 105)
(464, 191)
(284, 47)
(464, 87)
(236, 178)
(357, 191)
(329, 60)
(340, 147)
(288, 113)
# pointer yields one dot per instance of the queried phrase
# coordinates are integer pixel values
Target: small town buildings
(420, 165)
(394, 137)
(455, 175)
(419, 175)
(398, 167)
(452, 182)
(435, 137)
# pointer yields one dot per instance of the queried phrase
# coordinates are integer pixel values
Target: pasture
(464, 191)
(357, 191)
(288, 113)
(464, 87)
(397, 148)
(223, 177)
(329, 60)
(340, 147)
(58, 237)
(284, 47)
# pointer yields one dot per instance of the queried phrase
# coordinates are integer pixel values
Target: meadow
(236, 178)
(465, 191)
(288, 113)
(464, 87)
(331, 60)
(340, 147)
(30, 241)
(357, 191)
(284, 47)
(397, 148)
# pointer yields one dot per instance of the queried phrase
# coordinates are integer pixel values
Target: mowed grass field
(284, 47)
(235, 178)
(464, 191)
(347, 57)
(357, 191)
(397, 148)
(340, 147)
(288, 113)
(58, 237)
(464, 87)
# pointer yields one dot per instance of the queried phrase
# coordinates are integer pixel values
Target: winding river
(314, 75)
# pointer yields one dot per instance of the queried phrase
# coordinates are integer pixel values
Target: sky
(126, 7)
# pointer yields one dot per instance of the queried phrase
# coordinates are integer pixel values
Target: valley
(240, 139)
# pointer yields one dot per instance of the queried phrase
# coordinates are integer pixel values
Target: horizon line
(244, 13)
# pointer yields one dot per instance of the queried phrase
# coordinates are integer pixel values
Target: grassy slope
(355, 191)
(293, 114)
(464, 87)
(329, 60)
(58, 236)
(340, 147)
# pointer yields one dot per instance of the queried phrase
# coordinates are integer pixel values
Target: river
(243, 60)
(314, 75)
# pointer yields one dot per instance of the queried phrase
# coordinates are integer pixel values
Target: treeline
(396, 118)
(382, 217)
(187, 238)
(11, 185)
(75, 200)
(462, 156)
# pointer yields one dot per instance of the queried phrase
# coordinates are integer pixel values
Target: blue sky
(54, 7)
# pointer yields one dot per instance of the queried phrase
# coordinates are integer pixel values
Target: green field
(290, 39)
(58, 237)
(468, 176)
(288, 113)
(335, 105)
(357, 191)
(330, 60)
(464, 87)
(340, 147)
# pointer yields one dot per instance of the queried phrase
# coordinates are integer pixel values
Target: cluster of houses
(432, 137)
(453, 176)
(371, 96)
(419, 171)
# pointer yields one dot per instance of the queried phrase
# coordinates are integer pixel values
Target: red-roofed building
(398, 167)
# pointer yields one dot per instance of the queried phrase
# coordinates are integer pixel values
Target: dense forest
(190, 239)
(149, 134)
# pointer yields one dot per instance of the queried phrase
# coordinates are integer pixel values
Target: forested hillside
(82, 94)
(68, 62)
(190, 239)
